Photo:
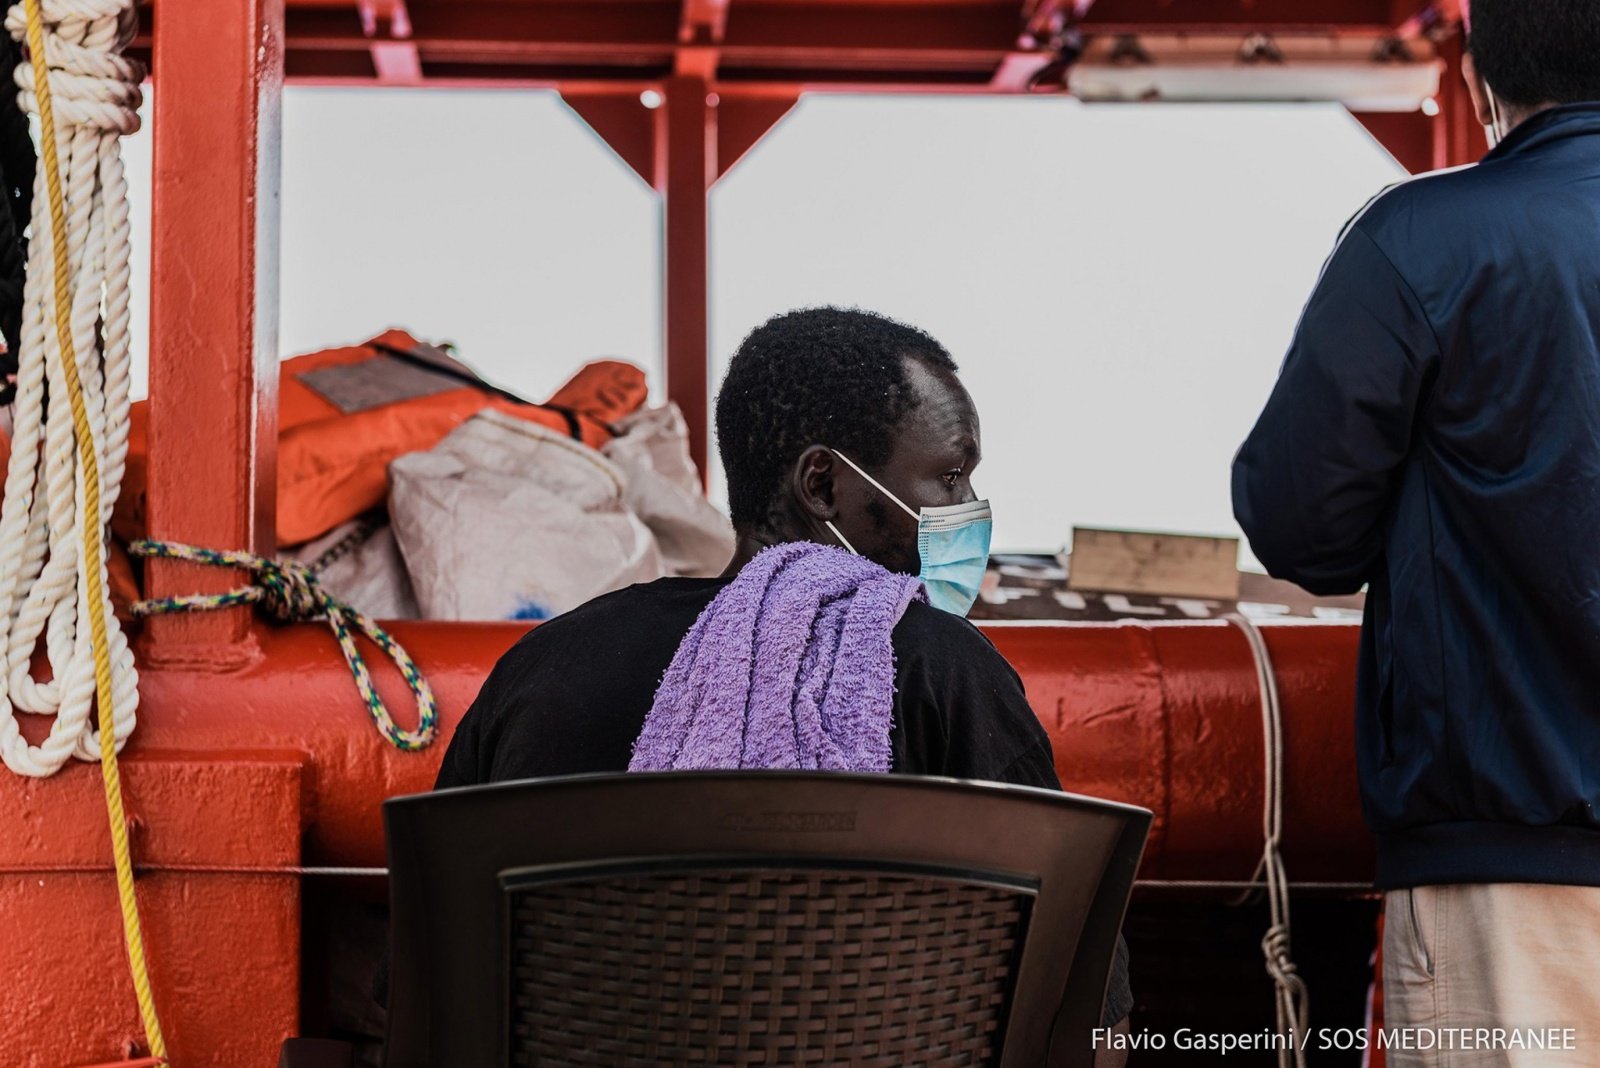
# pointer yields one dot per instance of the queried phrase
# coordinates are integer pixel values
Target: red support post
(218, 80)
(395, 58)
(685, 170)
(1457, 138)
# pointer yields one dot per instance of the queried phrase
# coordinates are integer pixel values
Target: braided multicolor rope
(288, 591)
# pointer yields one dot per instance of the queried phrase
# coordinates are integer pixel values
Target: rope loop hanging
(288, 592)
(1293, 998)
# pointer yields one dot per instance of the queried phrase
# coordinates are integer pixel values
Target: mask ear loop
(1494, 130)
(842, 541)
(878, 486)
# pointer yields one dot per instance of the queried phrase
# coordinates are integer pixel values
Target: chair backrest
(745, 918)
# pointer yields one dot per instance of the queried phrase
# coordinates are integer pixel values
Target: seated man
(808, 397)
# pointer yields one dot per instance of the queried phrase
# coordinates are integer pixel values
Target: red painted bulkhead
(237, 778)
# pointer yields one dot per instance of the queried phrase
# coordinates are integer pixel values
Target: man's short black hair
(818, 376)
(1535, 52)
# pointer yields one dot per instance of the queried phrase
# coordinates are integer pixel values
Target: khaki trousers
(1460, 962)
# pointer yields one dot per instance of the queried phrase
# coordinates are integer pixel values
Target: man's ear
(811, 482)
(1477, 89)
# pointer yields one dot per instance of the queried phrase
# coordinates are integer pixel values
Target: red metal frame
(856, 42)
(214, 305)
(688, 166)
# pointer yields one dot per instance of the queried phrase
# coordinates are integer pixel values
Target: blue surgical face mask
(953, 542)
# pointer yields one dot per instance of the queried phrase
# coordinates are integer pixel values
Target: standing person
(1435, 436)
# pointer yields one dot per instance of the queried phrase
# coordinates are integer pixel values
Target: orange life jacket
(334, 450)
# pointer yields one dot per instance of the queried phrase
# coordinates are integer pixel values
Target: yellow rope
(92, 533)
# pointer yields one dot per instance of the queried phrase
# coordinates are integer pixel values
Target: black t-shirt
(572, 696)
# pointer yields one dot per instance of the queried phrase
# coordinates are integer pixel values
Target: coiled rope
(288, 592)
(1293, 999)
(52, 567)
(70, 434)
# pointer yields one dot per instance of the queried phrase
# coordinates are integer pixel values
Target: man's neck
(1515, 116)
(748, 544)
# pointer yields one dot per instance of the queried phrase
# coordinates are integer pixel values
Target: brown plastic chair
(753, 918)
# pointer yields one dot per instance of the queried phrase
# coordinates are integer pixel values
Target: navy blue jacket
(1435, 435)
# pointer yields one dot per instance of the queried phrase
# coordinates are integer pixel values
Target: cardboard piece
(1176, 565)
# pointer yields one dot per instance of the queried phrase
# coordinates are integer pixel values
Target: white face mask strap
(878, 485)
(1496, 131)
(841, 537)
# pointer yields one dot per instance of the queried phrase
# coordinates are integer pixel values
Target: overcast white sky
(1118, 283)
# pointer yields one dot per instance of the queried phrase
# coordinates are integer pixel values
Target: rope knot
(1275, 948)
(289, 592)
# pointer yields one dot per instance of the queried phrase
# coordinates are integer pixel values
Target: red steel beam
(892, 46)
(703, 22)
(703, 19)
(396, 63)
(354, 70)
(687, 167)
(852, 34)
(394, 55)
(213, 306)
(1241, 16)
(700, 32)
(628, 32)
(474, 25)
(528, 27)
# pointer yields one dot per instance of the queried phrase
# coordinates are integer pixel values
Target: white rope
(1293, 1000)
(43, 589)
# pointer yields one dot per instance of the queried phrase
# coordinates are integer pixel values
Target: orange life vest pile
(333, 455)
(345, 414)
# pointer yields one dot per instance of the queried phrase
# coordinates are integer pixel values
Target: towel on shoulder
(791, 666)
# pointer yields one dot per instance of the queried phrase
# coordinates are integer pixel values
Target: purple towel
(790, 667)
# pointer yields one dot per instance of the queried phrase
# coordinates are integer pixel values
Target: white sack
(506, 519)
(664, 490)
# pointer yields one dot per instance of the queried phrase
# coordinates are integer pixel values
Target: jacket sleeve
(1313, 482)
